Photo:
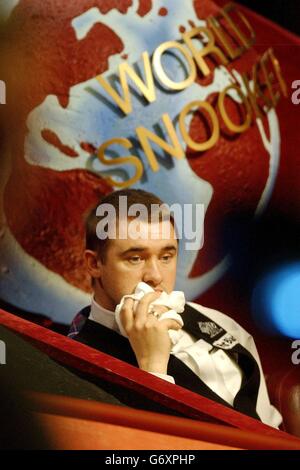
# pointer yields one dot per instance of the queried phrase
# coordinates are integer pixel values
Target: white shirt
(216, 369)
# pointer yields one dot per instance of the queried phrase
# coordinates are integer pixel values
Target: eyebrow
(139, 249)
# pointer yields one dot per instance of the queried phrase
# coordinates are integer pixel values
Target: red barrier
(159, 423)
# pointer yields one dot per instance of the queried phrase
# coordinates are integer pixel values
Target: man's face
(131, 260)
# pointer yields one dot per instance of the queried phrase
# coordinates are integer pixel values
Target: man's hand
(148, 336)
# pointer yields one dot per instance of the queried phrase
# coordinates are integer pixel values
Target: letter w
(147, 89)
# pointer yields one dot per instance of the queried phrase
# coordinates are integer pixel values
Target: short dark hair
(134, 196)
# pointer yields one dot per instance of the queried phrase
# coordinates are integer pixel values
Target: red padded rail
(158, 423)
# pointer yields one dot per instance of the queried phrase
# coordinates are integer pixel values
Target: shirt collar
(103, 316)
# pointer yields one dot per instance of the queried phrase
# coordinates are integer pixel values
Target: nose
(152, 274)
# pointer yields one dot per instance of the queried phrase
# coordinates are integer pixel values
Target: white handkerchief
(175, 301)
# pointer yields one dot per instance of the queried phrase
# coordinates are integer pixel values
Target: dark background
(284, 12)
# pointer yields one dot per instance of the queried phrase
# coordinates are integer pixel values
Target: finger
(171, 324)
(161, 309)
(126, 314)
(150, 322)
(141, 312)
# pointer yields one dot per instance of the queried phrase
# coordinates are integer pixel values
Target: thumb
(171, 324)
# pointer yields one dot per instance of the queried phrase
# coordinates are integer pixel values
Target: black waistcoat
(201, 327)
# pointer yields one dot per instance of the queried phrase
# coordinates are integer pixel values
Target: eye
(135, 259)
(166, 257)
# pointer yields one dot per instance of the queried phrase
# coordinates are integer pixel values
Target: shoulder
(266, 411)
(79, 321)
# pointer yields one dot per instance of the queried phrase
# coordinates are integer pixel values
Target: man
(212, 356)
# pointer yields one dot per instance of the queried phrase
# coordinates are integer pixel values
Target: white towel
(175, 301)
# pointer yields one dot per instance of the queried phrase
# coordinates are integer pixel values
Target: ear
(93, 263)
